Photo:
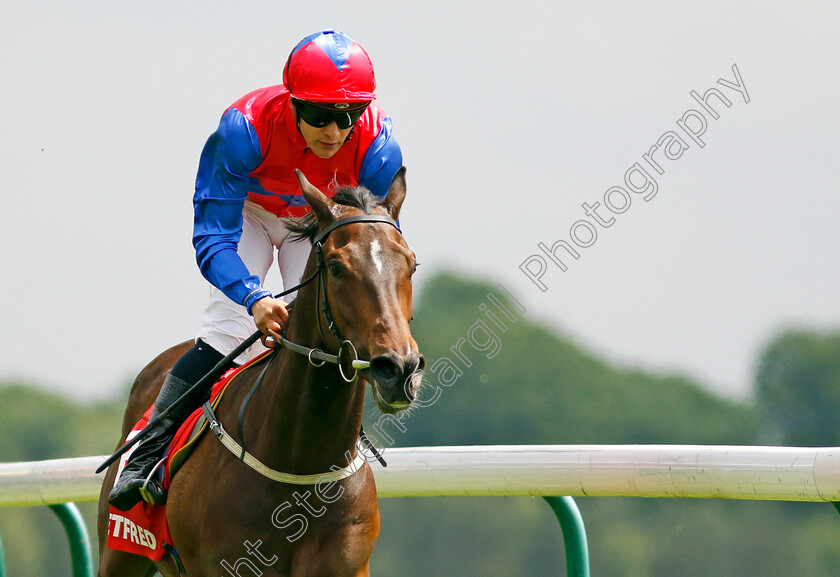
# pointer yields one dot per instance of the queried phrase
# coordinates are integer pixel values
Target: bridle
(317, 357)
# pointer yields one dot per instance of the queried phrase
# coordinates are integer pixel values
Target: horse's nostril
(391, 369)
(396, 379)
(421, 364)
(386, 369)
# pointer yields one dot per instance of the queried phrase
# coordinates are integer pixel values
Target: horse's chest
(275, 529)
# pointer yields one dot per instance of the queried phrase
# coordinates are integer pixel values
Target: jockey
(321, 121)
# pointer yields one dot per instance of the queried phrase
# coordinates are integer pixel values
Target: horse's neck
(310, 415)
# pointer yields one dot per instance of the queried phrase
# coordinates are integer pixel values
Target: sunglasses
(319, 117)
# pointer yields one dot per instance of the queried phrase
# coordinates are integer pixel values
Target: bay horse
(303, 419)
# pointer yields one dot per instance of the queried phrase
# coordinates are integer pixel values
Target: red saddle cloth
(143, 530)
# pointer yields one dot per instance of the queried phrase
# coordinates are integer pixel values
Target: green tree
(798, 388)
(542, 387)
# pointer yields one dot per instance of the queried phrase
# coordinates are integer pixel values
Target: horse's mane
(306, 227)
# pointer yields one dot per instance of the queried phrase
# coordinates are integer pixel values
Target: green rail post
(77, 534)
(574, 535)
(2, 561)
(837, 505)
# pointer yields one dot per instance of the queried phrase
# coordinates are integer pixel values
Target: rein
(316, 354)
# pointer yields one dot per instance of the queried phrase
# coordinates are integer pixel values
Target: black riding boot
(136, 482)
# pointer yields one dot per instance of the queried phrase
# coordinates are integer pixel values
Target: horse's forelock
(306, 227)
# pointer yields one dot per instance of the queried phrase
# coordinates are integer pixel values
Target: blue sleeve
(221, 187)
(381, 161)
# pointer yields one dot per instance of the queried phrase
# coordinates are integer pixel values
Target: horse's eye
(335, 269)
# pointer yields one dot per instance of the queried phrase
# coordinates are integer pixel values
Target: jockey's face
(323, 141)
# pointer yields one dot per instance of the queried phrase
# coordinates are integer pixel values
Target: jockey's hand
(270, 316)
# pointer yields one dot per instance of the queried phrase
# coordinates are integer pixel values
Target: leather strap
(288, 478)
(351, 219)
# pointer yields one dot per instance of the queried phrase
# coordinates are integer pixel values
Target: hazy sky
(511, 116)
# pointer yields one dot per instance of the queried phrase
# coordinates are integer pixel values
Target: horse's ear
(321, 205)
(396, 194)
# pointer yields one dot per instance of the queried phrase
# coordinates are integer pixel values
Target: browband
(351, 219)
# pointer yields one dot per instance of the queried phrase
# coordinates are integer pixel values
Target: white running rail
(699, 471)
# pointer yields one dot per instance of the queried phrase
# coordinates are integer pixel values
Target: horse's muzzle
(397, 378)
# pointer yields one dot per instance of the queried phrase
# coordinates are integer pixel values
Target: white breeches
(226, 324)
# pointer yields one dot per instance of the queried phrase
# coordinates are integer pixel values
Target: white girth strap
(288, 478)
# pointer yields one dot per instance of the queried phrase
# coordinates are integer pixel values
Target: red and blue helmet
(329, 66)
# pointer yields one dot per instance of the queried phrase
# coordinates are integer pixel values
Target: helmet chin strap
(297, 119)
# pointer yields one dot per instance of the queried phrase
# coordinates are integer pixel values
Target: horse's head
(367, 270)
